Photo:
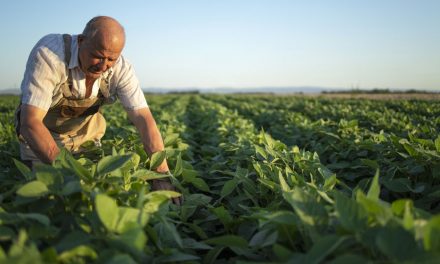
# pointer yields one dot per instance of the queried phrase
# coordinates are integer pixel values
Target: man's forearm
(41, 142)
(36, 134)
(149, 133)
(152, 141)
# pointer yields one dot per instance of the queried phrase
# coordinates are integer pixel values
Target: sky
(246, 43)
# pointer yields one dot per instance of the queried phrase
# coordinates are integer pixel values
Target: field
(265, 179)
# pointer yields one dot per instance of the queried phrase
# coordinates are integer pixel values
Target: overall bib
(71, 121)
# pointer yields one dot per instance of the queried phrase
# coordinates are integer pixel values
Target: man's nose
(102, 65)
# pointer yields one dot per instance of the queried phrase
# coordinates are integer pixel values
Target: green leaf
(398, 185)
(6, 233)
(212, 255)
(71, 187)
(198, 199)
(178, 169)
(370, 163)
(307, 207)
(264, 238)
(376, 209)
(155, 199)
(431, 239)
(164, 193)
(280, 217)
(71, 240)
(200, 184)
(107, 210)
(397, 244)
(412, 151)
(121, 258)
(193, 244)
(109, 164)
(269, 184)
(170, 139)
(33, 189)
(134, 162)
(437, 143)
(189, 175)
(2, 255)
(198, 230)
(330, 183)
(268, 140)
(408, 218)
(134, 238)
(351, 215)
(49, 255)
(168, 230)
(79, 251)
(147, 175)
(282, 253)
(398, 206)
(141, 152)
(324, 247)
(177, 256)
(374, 191)
(228, 241)
(42, 219)
(228, 188)
(25, 170)
(74, 165)
(14, 218)
(223, 215)
(18, 247)
(261, 151)
(156, 159)
(349, 259)
(284, 186)
(50, 176)
(129, 217)
(404, 208)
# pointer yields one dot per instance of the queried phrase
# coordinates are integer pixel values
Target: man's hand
(165, 184)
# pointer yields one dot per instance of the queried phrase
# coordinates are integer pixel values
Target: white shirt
(46, 72)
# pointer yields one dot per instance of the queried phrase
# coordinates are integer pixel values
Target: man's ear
(81, 38)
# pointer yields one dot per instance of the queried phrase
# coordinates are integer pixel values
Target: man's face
(97, 55)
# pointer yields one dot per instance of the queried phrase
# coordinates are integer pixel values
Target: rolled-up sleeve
(128, 88)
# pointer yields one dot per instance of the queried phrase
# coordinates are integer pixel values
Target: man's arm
(152, 141)
(150, 135)
(36, 134)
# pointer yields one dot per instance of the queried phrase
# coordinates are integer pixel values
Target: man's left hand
(165, 184)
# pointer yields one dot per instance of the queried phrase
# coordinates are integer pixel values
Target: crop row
(247, 196)
(409, 165)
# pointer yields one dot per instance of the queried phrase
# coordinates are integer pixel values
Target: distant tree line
(378, 91)
(184, 92)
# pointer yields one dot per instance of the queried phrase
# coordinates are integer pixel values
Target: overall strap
(67, 87)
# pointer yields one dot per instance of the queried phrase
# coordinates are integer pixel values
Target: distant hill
(10, 91)
(277, 90)
(283, 90)
(379, 91)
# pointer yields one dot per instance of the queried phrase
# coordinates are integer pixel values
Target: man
(67, 79)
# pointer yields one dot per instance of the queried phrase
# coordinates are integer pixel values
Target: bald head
(100, 45)
(105, 29)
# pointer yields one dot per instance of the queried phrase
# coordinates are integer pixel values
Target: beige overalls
(71, 121)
